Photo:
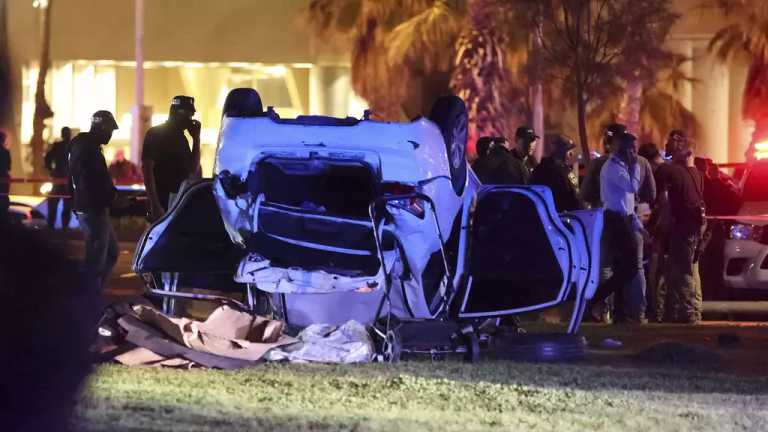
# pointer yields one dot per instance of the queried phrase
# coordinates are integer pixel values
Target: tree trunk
(631, 105)
(42, 109)
(537, 94)
(581, 107)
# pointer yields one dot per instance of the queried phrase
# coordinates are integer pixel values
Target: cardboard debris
(227, 333)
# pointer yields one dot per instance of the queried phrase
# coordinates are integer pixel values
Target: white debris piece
(322, 343)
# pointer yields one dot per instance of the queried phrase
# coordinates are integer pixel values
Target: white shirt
(617, 190)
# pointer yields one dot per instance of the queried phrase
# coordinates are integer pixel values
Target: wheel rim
(458, 136)
(389, 347)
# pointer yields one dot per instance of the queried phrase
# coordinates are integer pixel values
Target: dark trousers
(53, 206)
(101, 248)
(683, 297)
(621, 256)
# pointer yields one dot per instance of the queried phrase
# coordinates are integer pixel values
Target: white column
(740, 130)
(138, 127)
(711, 97)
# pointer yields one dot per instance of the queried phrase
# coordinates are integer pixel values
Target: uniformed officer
(94, 193)
(166, 157)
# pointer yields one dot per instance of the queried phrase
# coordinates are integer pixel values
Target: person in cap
(590, 188)
(506, 164)
(621, 179)
(525, 146)
(93, 195)
(483, 149)
(57, 163)
(556, 172)
(682, 186)
(167, 160)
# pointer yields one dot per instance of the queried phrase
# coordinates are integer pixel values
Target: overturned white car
(342, 219)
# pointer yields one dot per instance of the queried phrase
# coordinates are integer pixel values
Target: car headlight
(740, 231)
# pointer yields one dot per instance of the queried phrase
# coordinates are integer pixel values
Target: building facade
(199, 48)
(205, 48)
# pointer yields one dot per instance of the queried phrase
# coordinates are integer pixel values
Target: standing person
(656, 244)
(483, 148)
(505, 163)
(621, 179)
(124, 171)
(5, 177)
(525, 146)
(590, 188)
(683, 186)
(555, 171)
(57, 163)
(166, 157)
(94, 193)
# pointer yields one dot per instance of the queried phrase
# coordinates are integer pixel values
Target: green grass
(423, 396)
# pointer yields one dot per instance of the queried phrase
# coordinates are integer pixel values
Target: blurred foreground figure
(5, 178)
(94, 193)
(46, 329)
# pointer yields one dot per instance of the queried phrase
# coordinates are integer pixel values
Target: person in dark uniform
(94, 193)
(5, 178)
(554, 171)
(166, 157)
(683, 186)
(525, 145)
(505, 164)
(57, 163)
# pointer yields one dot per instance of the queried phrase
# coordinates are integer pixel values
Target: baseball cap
(181, 102)
(103, 118)
(614, 130)
(678, 135)
(559, 142)
(526, 132)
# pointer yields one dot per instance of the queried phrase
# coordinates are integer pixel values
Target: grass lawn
(424, 396)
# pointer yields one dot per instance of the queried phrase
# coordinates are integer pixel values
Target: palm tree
(658, 109)
(747, 36)
(42, 109)
(401, 50)
(488, 64)
(407, 53)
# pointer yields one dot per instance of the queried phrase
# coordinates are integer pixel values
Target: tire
(549, 348)
(450, 115)
(243, 102)
(392, 347)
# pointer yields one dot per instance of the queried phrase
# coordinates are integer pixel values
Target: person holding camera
(166, 158)
(682, 187)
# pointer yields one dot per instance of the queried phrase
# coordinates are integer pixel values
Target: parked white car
(746, 248)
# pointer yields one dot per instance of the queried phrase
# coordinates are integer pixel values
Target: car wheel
(539, 347)
(392, 348)
(450, 115)
(473, 347)
(242, 102)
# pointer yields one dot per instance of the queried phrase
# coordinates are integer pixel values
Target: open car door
(522, 256)
(189, 246)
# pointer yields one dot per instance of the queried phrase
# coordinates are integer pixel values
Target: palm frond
(427, 38)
